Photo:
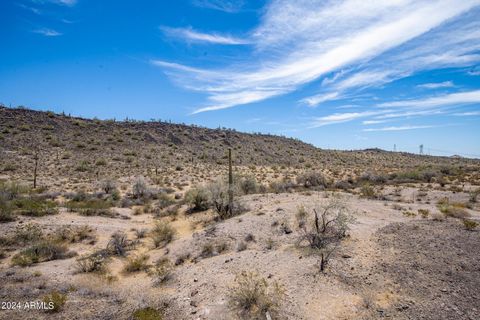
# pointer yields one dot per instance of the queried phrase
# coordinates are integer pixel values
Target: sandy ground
(359, 282)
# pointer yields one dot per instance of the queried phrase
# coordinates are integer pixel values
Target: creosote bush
(252, 297)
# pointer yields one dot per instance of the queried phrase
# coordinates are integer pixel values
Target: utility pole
(35, 157)
(230, 183)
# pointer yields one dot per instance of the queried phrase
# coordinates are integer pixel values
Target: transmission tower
(421, 149)
(394, 148)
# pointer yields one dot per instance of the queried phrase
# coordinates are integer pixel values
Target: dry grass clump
(424, 213)
(161, 271)
(75, 234)
(252, 297)
(368, 191)
(162, 234)
(454, 210)
(470, 225)
(55, 301)
(137, 263)
(119, 244)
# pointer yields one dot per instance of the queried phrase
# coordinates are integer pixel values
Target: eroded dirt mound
(437, 265)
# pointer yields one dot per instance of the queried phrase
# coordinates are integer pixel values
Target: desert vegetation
(148, 220)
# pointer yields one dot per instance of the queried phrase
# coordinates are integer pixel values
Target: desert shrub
(75, 233)
(198, 199)
(329, 225)
(140, 188)
(119, 244)
(248, 185)
(83, 166)
(164, 200)
(55, 301)
(369, 177)
(161, 271)
(473, 195)
(241, 246)
(95, 262)
(409, 214)
(137, 263)
(101, 162)
(219, 199)
(312, 179)
(342, 185)
(36, 207)
(301, 216)
(27, 233)
(147, 313)
(41, 252)
(367, 191)
(141, 233)
(470, 224)
(108, 186)
(438, 216)
(424, 213)
(6, 211)
(90, 207)
(162, 234)
(11, 190)
(252, 297)
(454, 210)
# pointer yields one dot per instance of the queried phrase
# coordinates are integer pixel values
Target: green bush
(35, 207)
(90, 207)
(41, 252)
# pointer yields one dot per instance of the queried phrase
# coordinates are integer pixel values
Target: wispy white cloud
(369, 122)
(436, 85)
(230, 6)
(29, 8)
(467, 114)
(459, 98)
(69, 3)
(192, 35)
(371, 43)
(47, 32)
(399, 128)
(339, 118)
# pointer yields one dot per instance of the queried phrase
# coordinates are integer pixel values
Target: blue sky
(338, 74)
